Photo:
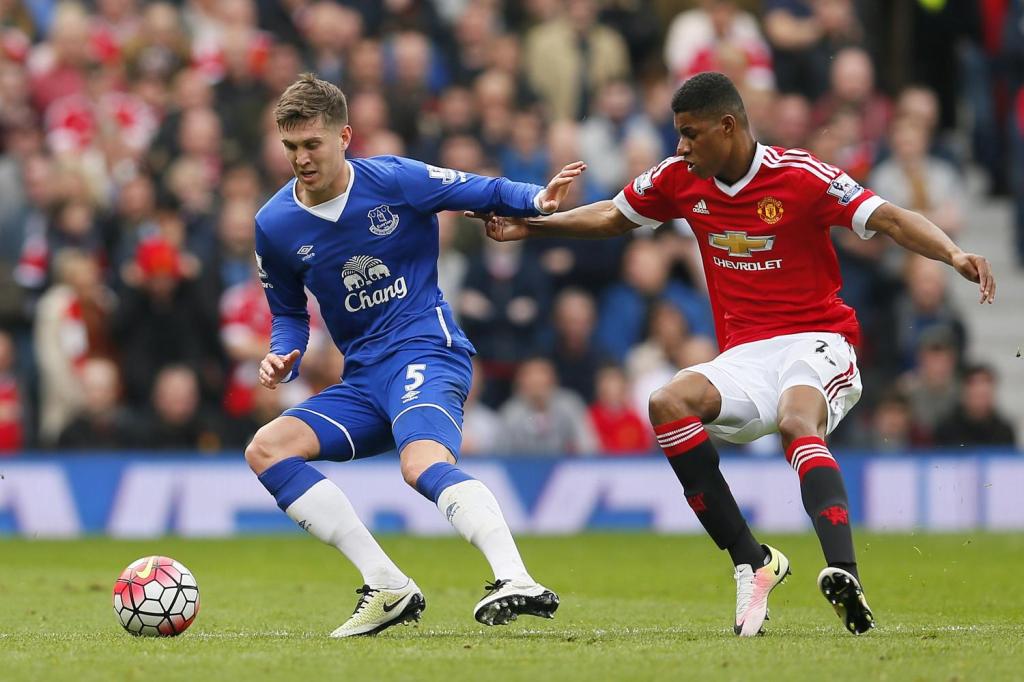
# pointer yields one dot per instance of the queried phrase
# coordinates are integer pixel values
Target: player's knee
(682, 397)
(793, 426)
(411, 471)
(262, 452)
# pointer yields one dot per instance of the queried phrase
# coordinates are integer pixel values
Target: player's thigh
(827, 363)
(749, 400)
(425, 396)
(346, 422)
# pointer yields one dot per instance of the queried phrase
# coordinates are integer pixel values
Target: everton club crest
(382, 221)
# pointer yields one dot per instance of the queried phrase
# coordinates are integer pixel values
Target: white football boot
(753, 588)
(846, 596)
(506, 600)
(379, 609)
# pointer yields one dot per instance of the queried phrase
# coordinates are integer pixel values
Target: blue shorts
(414, 394)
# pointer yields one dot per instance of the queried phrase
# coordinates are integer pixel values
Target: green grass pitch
(634, 607)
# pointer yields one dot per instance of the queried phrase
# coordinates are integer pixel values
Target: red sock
(680, 436)
(809, 453)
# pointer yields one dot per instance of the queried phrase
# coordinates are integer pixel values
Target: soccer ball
(156, 596)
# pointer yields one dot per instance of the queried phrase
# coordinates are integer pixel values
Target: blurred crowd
(138, 143)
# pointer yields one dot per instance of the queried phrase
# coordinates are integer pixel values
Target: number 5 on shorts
(414, 374)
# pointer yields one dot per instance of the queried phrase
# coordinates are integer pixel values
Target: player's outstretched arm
(599, 220)
(916, 233)
(275, 368)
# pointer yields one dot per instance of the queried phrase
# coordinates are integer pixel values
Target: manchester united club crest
(770, 210)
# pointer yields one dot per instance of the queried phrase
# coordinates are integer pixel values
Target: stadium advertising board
(150, 496)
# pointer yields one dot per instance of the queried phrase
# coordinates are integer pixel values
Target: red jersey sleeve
(844, 202)
(649, 199)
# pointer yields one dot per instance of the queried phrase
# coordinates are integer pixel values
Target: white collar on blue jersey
(332, 208)
(735, 188)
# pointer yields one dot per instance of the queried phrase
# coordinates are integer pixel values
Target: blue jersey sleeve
(286, 295)
(430, 189)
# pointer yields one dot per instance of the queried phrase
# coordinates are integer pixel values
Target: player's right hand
(275, 368)
(502, 228)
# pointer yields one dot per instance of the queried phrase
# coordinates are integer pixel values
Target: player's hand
(501, 228)
(552, 195)
(275, 368)
(976, 268)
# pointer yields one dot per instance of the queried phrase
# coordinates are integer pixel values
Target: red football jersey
(768, 258)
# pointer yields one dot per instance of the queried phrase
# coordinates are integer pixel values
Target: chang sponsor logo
(359, 273)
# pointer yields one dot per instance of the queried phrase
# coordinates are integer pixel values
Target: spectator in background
(852, 89)
(240, 96)
(102, 422)
(805, 36)
(544, 419)
(932, 386)
(176, 418)
(409, 91)
(12, 427)
(975, 420)
(481, 426)
(652, 363)
(162, 319)
(160, 49)
(918, 180)
(604, 135)
(925, 304)
(696, 37)
(569, 58)
(58, 66)
(503, 306)
(573, 352)
(71, 325)
(524, 155)
(330, 31)
(892, 427)
(790, 124)
(620, 429)
(625, 305)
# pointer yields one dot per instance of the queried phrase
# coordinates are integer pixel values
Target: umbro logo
(306, 252)
(701, 207)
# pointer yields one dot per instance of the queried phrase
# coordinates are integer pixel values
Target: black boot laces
(365, 592)
(496, 585)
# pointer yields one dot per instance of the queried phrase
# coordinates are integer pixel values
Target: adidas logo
(701, 207)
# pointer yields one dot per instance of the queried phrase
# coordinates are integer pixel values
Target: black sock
(824, 498)
(695, 462)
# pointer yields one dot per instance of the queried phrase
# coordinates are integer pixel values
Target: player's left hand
(552, 195)
(976, 268)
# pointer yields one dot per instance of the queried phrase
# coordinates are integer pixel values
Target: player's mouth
(307, 175)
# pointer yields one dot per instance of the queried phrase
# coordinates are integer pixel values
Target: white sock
(471, 508)
(325, 512)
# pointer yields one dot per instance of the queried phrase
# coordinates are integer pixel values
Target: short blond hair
(308, 99)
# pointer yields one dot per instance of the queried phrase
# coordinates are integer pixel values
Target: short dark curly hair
(709, 93)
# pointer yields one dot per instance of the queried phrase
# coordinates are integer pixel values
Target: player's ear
(728, 124)
(346, 136)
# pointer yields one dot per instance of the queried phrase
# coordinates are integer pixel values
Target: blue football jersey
(369, 256)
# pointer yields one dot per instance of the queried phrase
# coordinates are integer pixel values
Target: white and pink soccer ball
(156, 596)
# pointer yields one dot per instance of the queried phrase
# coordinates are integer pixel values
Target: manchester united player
(761, 216)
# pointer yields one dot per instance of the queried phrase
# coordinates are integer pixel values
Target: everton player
(761, 216)
(361, 235)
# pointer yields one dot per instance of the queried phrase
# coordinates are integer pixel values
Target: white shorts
(752, 377)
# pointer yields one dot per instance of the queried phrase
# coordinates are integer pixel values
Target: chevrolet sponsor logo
(739, 244)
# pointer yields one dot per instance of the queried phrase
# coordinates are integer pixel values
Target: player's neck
(740, 162)
(333, 190)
